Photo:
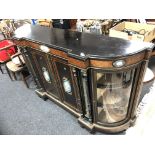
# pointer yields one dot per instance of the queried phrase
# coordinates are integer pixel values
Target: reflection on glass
(113, 93)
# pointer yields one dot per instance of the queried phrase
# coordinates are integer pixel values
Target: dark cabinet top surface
(81, 45)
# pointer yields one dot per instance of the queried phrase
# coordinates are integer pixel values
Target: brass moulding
(86, 124)
(41, 93)
(93, 127)
(115, 129)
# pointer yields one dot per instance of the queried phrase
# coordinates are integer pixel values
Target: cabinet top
(81, 45)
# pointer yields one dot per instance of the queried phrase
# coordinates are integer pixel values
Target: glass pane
(113, 93)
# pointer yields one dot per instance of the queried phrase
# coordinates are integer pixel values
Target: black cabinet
(96, 78)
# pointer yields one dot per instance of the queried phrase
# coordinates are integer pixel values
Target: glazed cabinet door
(67, 84)
(30, 63)
(44, 71)
(113, 91)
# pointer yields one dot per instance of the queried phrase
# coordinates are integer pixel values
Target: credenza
(96, 78)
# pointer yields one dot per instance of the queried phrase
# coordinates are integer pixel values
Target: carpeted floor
(22, 112)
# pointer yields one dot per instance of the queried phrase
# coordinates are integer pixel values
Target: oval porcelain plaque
(119, 63)
(46, 74)
(44, 48)
(67, 86)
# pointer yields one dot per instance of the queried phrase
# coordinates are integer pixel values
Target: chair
(17, 65)
(7, 49)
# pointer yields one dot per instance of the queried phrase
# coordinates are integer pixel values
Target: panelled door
(67, 83)
(45, 72)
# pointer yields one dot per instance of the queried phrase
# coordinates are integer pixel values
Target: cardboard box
(148, 30)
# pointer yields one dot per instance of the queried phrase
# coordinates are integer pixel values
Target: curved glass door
(113, 94)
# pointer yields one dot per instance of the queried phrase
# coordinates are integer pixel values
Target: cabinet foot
(45, 98)
(82, 126)
(92, 132)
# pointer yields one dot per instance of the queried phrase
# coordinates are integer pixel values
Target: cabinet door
(65, 77)
(27, 53)
(113, 91)
(45, 72)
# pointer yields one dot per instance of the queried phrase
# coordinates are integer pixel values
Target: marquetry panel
(16, 41)
(33, 45)
(109, 63)
(101, 63)
(78, 63)
(134, 59)
(19, 43)
(59, 53)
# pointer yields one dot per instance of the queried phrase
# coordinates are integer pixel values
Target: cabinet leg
(45, 98)
(92, 132)
(82, 126)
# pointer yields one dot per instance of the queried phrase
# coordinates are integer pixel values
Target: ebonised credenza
(97, 78)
